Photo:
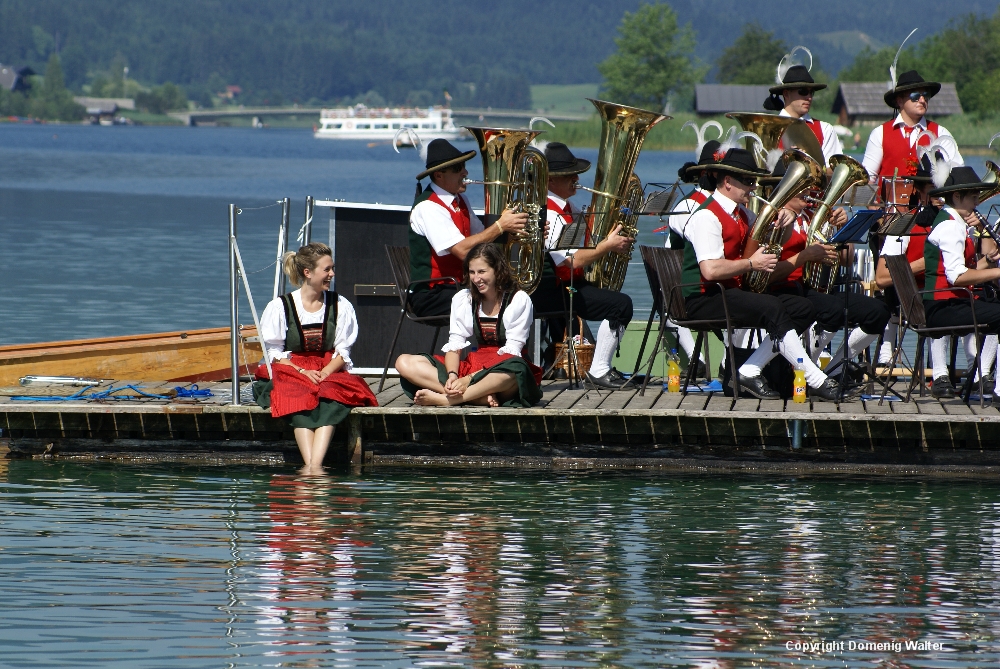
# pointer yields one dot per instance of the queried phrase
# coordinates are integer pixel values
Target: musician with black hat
(715, 237)
(792, 96)
(443, 228)
(613, 309)
(696, 173)
(892, 146)
(949, 259)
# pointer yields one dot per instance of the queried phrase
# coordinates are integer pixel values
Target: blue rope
(109, 394)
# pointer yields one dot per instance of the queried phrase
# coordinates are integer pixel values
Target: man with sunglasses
(892, 146)
(714, 240)
(796, 97)
(443, 229)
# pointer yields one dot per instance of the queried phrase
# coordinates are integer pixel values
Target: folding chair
(399, 261)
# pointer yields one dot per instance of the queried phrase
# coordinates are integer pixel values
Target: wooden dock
(569, 427)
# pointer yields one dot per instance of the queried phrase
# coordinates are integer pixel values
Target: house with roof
(713, 99)
(862, 103)
(15, 78)
(104, 110)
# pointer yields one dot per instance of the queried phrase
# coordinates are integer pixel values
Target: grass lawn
(570, 99)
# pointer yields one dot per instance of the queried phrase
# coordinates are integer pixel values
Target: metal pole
(234, 308)
(279, 276)
(307, 227)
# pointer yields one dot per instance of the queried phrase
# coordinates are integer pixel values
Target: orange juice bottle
(673, 372)
(799, 385)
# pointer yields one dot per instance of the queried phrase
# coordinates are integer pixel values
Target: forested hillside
(282, 51)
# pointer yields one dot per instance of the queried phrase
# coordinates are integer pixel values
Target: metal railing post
(279, 276)
(234, 307)
(307, 226)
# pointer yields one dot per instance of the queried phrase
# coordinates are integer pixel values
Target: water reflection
(471, 569)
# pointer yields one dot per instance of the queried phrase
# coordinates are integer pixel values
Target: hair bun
(682, 172)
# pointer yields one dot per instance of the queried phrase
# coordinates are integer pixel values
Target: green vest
(690, 270)
(295, 339)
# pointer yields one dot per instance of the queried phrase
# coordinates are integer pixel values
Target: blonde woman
(308, 334)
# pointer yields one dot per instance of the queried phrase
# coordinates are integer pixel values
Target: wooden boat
(188, 356)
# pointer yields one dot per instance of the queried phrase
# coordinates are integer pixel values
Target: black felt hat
(442, 155)
(562, 162)
(777, 174)
(797, 76)
(961, 179)
(738, 161)
(705, 160)
(923, 174)
(911, 81)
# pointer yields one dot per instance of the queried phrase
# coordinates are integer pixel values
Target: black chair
(667, 265)
(913, 317)
(399, 261)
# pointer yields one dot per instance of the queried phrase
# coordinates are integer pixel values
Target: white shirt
(831, 141)
(556, 226)
(677, 221)
(517, 319)
(704, 230)
(430, 220)
(873, 152)
(949, 236)
(273, 326)
(896, 246)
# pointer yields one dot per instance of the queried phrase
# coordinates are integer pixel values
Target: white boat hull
(387, 135)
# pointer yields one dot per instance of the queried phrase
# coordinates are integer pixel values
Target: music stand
(573, 238)
(855, 231)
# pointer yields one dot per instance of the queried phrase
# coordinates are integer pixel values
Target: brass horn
(801, 172)
(516, 176)
(992, 176)
(617, 192)
(847, 173)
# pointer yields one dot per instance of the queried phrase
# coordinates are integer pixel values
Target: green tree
(51, 101)
(161, 99)
(653, 58)
(752, 59)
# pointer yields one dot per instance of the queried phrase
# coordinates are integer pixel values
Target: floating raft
(569, 427)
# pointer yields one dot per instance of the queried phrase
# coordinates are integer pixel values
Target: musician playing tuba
(443, 228)
(613, 309)
(870, 315)
(714, 238)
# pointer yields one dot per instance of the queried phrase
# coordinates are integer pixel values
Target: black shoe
(619, 378)
(942, 388)
(828, 392)
(855, 373)
(609, 380)
(699, 373)
(756, 386)
(996, 399)
(558, 373)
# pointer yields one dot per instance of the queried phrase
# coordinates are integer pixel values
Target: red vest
(795, 244)
(897, 152)
(449, 265)
(734, 237)
(940, 278)
(915, 250)
(817, 129)
(562, 271)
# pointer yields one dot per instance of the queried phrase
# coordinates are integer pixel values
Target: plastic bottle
(799, 385)
(673, 372)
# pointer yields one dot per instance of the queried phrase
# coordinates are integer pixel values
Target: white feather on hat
(732, 141)
(941, 152)
(892, 68)
(539, 144)
(789, 61)
(700, 133)
(773, 156)
(993, 138)
(414, 141)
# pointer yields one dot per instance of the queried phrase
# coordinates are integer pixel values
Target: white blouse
(516, 321)
(273, 326)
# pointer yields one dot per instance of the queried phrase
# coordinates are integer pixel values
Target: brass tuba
(617, 191)
(802, 172)
(847, 172)
(516, 176)
(991, 177)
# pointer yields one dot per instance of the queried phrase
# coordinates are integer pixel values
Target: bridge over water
(210, 115)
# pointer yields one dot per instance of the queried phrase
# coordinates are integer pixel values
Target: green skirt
(528, 392)
(327, 412)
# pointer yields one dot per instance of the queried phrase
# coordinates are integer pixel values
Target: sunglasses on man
(749, 183)
(805, 92)
(916, 95)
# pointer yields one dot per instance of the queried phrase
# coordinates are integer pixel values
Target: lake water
(128, 566)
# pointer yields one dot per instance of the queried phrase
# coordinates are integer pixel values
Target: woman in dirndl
(307, 335)
(491, 311)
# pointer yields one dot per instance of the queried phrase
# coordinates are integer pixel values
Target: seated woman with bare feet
(497, 316)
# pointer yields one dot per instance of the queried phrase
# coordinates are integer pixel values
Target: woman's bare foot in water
(491, 400)
(429, 398)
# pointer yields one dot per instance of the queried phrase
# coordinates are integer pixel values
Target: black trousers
(957, 313)
(590, 302)
(869, 314)
(775, 313)
(435, 301)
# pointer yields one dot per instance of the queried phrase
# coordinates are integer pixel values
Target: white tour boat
(361, 122)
